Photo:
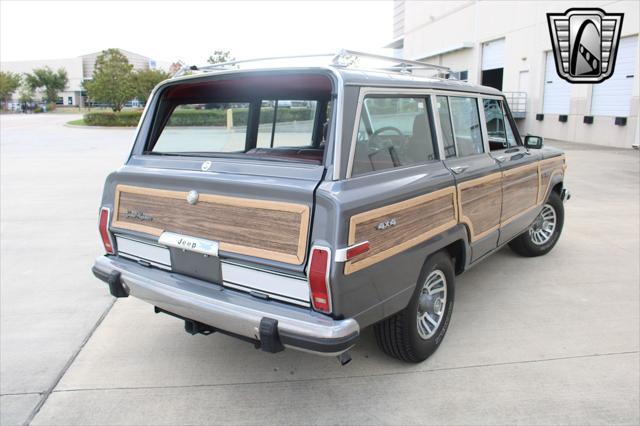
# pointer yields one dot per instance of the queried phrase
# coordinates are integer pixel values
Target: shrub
(197, 117)
(51, 106)
(108, 118)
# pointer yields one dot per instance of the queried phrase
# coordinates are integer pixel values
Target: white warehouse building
(507, 45)
(78, 69)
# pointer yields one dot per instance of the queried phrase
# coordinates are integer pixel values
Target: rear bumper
(565, 195)
(228, 310)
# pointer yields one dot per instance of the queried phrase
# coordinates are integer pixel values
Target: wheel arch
(458, 252)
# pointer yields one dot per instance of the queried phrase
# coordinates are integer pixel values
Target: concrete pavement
(546, 340)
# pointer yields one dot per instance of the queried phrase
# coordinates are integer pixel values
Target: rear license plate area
(196, 265)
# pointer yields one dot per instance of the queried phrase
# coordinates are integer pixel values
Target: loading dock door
(612, 97)
(557, 92)
(493, 63)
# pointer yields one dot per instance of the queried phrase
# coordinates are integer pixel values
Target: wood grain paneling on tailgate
(416, 220)
(266, 229)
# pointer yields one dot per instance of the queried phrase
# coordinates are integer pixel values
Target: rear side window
(392, 132)
(466, 125)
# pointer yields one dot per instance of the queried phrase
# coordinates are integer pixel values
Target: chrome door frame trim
(374, 90)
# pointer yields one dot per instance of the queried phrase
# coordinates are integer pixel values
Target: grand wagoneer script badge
(135, 214)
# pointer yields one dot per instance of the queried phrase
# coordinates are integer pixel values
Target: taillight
(319, 265)
(105, 215)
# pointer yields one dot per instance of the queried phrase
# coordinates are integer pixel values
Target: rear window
(212, 127)
(270, 118)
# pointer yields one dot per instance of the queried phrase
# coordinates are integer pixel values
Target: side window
(466, 125)
(392, 132)
(498, 126)
(286, 123)
(445, 124)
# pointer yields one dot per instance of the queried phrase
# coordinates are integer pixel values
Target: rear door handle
(459, 169)
(501, 158)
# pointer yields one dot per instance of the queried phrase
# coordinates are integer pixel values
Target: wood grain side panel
(417, 220)
(480, 204)
(519, 191)
(271, 230)
(548, 168)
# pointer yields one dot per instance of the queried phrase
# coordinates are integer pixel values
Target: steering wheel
(375, 139)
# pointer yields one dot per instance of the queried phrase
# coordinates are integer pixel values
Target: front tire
(544, 232)
(414, 333)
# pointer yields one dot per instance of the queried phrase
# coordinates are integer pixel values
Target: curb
(79, 126)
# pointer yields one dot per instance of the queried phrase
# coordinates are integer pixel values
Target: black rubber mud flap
(269, 338)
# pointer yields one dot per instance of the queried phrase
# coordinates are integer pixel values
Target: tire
(530, 243)
(401, 336)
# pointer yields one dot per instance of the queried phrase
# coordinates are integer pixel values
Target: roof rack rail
(343, 59)
(403, 65)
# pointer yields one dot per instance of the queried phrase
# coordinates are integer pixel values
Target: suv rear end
(211, 219)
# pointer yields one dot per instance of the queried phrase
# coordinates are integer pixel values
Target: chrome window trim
(337, 125)
(436, 122)
(483, 126)
(382, 90)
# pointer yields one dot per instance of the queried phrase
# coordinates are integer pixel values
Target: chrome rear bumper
(228, 310)
(565, 195)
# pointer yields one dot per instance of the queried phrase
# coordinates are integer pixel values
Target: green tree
(51, 81)
(26, 93)
(9, 83)
(112, 81)
(220, 56)
(145, 80)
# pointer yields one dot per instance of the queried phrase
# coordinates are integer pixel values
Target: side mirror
(533, 142)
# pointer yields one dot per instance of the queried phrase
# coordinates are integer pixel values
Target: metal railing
(517, 103)
(343, 59)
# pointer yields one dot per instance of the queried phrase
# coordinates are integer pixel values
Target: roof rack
(343, 59)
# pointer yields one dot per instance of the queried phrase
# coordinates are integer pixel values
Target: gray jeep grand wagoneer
(293, 207)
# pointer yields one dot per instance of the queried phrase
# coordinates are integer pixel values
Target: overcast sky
(190, 31)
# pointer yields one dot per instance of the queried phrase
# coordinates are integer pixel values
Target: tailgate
(243, 230)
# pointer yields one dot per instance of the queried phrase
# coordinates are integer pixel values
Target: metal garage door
(613, 96)
(493, 54)
(557, 92)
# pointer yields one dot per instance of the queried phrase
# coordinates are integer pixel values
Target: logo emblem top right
(585, 43)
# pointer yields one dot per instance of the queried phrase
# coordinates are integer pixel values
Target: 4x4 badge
(585, 43)
(205, 166)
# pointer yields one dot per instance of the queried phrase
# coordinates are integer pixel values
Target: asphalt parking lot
(548, 340)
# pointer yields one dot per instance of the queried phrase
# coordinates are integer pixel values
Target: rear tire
(414, 333)
(544, 232)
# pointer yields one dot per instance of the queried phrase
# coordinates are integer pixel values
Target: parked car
(301, 237)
